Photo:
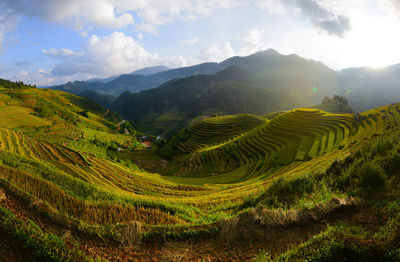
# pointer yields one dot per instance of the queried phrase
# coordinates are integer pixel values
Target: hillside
(372, 87)
(270, 82)
(59, 117)
(209, 131)
(292, 81)
(268, 66)
(238, 179)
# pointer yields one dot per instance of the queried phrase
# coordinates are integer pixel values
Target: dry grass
(131, 234)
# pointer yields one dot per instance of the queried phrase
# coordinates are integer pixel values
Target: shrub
(391, 164)
(44, 109)
(381, 147)
(371, 178)
(288, 191)
(282, 193)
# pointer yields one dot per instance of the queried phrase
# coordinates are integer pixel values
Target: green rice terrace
(302, 185)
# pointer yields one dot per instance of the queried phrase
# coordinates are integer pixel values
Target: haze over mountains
(162, 100)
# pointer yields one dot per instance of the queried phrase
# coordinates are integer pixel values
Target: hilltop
(298, 184)
(284, 82)
(258, 84)
(137, 81)
(264, 64)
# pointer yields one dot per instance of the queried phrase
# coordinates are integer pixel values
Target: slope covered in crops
(63, 159)
(298, 135)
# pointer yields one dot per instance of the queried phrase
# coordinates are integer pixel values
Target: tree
(327, 100)
(340, 104)
(340, 100)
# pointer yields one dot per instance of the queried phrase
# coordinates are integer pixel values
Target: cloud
(394, 5)
(190, 41)
(273, 6)
(83, 34)
(114, 14)
(215, 52)
(81, 14)
(7, 21)
(60, 53)
(324, 19)
(252, 42)
(40, 77)
(109, 55)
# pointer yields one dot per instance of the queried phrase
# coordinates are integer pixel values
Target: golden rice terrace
(72, 166)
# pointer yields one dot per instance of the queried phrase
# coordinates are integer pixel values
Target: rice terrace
(110, 152)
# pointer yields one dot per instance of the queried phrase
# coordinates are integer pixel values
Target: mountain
(152, 77)
(372, 87)
(77, 87)
(150, 70)
(102, 80)
(104, 100)
(137, 82)
(258, 84)
(268, 68)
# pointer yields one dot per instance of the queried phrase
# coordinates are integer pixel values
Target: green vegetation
(258, 84)
(337, 104)
(42, 246)
(66, 161)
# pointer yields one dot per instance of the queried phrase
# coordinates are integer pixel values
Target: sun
(373, 41)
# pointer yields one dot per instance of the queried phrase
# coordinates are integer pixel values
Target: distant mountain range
(371, 87)
(257, 84)
(162, 100)
(138, 80)
(151, 70)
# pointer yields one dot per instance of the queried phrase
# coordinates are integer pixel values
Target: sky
(47, 42)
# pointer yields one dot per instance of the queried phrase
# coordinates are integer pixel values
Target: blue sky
(47, 42)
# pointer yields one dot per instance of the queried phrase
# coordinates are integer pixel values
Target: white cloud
(273, 6)
(43, 77)
(215, 52)
(116, 14)
(394, 5)
(111, 55)
(60, 53)
(174, 61)
(190, 41)
(147, 28)
(7, 22)
(252, 42)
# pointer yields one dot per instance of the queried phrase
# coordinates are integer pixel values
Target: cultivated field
(64, 165)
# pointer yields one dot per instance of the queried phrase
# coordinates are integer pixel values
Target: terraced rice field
(15, 116)
(107, 137)
(298, 135)
(214, 130)
(215, 165)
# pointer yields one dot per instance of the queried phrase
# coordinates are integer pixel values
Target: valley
(301, 184)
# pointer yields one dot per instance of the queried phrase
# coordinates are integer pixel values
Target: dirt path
(119, 125)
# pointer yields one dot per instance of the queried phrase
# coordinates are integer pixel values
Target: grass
(218, 168)
(42, 246)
